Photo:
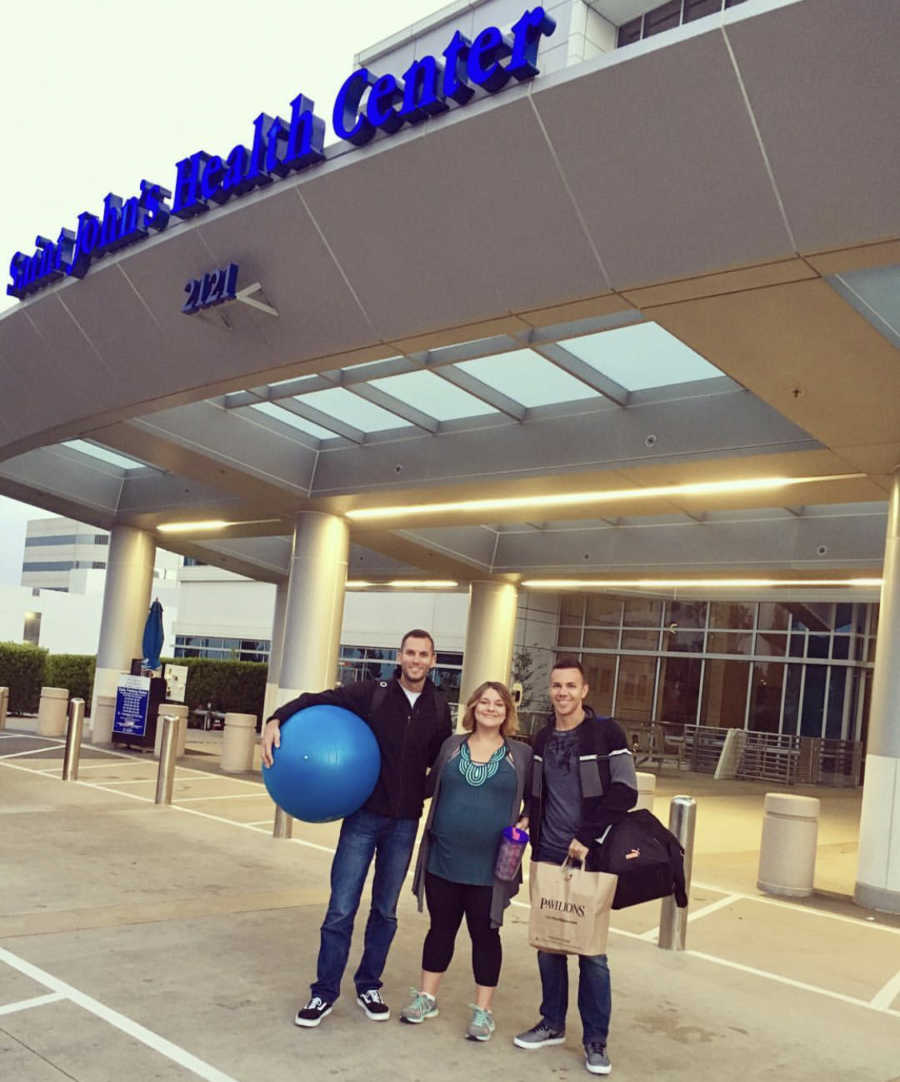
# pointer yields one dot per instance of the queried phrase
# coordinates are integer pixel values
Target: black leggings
(446, 904)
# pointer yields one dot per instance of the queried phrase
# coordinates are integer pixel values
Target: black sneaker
(374, 1006)
(313, 1013)
(539, 1036)
(595, 1058)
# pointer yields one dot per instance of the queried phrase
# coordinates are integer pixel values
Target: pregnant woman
(479, 779)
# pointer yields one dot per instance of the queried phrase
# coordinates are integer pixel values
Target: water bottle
(510, 852)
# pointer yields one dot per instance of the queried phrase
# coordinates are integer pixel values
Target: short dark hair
(568, 661)
(417, 633)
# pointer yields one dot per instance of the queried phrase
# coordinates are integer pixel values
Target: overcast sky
(99, 94)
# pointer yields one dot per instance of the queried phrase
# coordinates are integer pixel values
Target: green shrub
(237, 686)
(72, 671)
(22, 671)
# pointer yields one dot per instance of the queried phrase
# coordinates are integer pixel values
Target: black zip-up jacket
(409, 737)
(606, 770)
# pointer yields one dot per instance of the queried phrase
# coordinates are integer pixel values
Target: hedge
(238, 686)
(22, 671)
(72, 671)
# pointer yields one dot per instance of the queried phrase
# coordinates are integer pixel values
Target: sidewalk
(147, 943)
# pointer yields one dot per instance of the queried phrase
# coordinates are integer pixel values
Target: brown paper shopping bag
(569, 909)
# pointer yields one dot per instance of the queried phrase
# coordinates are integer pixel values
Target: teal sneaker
(422, 1006)
(482, 1025)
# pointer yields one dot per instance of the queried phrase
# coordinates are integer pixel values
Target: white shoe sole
(599, 1070)
(419, 1021)
(472, 1037)
(310, 1023)
(383, 1017)
(542, 1044)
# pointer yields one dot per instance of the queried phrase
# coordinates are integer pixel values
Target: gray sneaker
(595, 1058)
(421, 1007)
(540, 1035)
(482, 1025)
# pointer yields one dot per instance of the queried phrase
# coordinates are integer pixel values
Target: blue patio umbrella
(153, 636)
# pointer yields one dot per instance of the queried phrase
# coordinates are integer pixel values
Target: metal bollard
(73, 740)
(672, 920)
(4, 706)
(165, 779)
(284, 824)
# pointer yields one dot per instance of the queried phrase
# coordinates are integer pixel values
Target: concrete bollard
(646, 784)
(73, 740)
(175, 710)
(787, 852)
(52, 712)
(165, 777)
(4, 706)
(672, 920)
(283, 825)
(238, 741)
(102, 721)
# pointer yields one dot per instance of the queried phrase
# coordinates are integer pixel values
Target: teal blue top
(473, 808)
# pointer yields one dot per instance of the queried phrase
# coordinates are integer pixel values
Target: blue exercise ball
(327, 764)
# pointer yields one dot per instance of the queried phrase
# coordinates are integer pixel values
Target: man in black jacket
(583, 780)
(410, 719)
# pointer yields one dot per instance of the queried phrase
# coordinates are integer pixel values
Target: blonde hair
(510, 724)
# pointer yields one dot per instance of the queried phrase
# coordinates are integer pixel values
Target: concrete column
(126, 601)
(274, 673)
(878, 867)
(489, 635)
(315, 604)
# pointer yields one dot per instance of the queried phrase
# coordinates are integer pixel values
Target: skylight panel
(527, 378)
(352, 410)
(288, 418)
(103, 454)
(641, 356)
(432, 395)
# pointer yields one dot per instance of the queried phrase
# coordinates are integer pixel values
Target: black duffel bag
(647, 858)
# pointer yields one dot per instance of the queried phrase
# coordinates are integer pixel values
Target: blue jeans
(594, 994)
(364, 835)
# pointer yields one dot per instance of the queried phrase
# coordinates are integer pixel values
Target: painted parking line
(127, 1025)
(886, 995)
(225, 796)
(697, 914)
(35, 1001)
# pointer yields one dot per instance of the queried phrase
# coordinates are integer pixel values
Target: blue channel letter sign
(365, 104)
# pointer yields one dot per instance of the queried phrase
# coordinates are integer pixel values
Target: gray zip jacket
(520, 756)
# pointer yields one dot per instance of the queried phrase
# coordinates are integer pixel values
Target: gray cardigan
(520, 756)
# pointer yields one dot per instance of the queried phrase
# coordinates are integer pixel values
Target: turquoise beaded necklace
(478, 773)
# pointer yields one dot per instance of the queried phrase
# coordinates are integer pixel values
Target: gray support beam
(489, 635)
(501, 402)
(392, 404)
(878, 867)
(584, 372)
(126, 601)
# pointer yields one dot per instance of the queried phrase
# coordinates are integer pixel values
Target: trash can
(52, 711)
(787, 852)
(104, 716)
(175, 710)
(646, 784)
(238, 742)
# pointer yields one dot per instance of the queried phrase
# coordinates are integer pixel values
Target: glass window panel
(685, 613)
(642, 612)
(841, 647)
(433, 395)
(640, 640)
(843, 617)
(679, 689)
(873, 625)
(339, 403)
(104, 455)
(634, 697)
(527, 378)
(444, 658)
(641, 356)
(569, 636)
(798, 644)
(770, 644)
(601, 639)
(272, 409)
(774, 615)
(724, 693)
(729, 642)
(813, 701)
(765, 696)
(834, 711)
(696, 9)
(603, 611)
(571, 608)
(818, 646)
(665, 17)
(733, 614)
(690, 642)
(792, 699)
(812, 616)
(871, 654)
(447, 679)
(600, 673)
(630, 32)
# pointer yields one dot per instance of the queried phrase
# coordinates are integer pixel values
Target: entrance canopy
(638, 318)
